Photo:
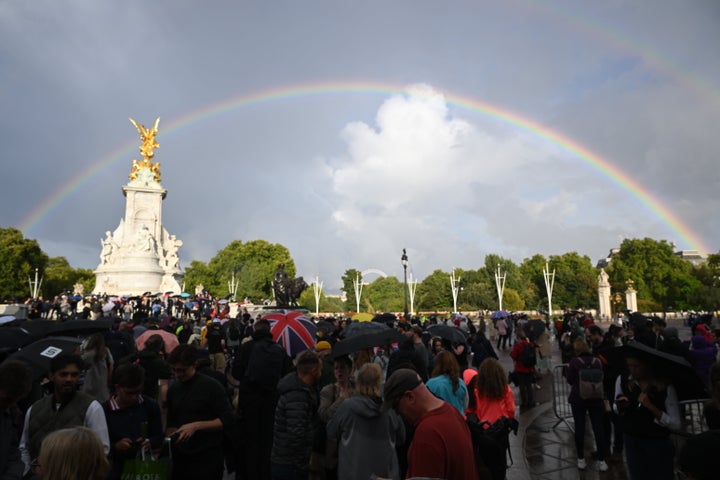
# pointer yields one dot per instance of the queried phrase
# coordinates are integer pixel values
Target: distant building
(604, 262)
(692, 256)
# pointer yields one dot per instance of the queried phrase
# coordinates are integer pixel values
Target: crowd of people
(211, 396)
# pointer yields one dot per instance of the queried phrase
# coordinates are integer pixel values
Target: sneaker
(602, 466)
(582, 464)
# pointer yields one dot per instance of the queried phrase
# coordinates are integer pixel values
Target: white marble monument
(604, 295)
(140, 255)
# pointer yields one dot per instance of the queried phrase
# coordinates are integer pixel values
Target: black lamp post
(404, 260)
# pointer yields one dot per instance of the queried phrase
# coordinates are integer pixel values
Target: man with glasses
(441, 446)
(197, 412)
(134, 421)
(66, 407)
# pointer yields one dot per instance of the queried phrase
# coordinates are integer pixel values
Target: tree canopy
(662, 279)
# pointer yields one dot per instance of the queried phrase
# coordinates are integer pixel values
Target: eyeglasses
(180, 369)
(35, 464)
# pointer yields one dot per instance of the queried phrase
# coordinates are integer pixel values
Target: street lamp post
(404, 261)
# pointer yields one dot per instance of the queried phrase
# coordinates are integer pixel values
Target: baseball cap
(323, 345)
(401, 381)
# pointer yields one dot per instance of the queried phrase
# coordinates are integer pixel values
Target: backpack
(491, 445)
(266, 364)
(590, 381)
(528, 357)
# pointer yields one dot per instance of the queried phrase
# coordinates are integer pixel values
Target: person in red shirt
(524, 368)
(441, 446)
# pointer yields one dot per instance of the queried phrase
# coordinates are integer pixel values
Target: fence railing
(560, 392)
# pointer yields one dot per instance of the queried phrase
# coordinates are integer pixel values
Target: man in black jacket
(15, 383)
(258, 367)
(296, 419)
(198, 412)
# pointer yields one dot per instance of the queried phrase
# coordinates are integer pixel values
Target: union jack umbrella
(292, 330)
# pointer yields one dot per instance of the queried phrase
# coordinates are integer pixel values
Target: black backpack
(528, 357)
(491, 445)
(266, 365)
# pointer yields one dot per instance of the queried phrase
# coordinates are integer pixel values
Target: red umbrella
(292, 330)
(170, 339)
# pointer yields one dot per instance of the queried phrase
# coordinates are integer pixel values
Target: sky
(347, 132)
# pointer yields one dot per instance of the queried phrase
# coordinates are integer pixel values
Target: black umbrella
(366, 340)
(534, 328)
(39, 328)
(673, 368)
(13, 338)
(385, 318)
(83, 327)
(453, 334)
(358, 328)
(39, 354)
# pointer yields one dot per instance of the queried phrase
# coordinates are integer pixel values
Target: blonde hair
(369, 380)
(580, 346)
(73, 454)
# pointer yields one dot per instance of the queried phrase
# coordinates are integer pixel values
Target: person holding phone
(649, 410)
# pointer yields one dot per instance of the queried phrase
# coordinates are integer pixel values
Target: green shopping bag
(145, 470)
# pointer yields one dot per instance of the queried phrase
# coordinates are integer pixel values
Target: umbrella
(108, 307)
(366, 340)
(39, 354)
(675, 369)
(13, 338)
(171, 341)
(454, 334)
(82, 327)
(534, 328)
(7, 319)
(39, 328)
(222, 301)
(500, 314)
(362, 317)
(357, 328)
(385, 318)
(292, 330)
(184, 294)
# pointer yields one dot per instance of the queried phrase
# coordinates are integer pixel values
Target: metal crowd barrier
(693, 420)
(560, 392)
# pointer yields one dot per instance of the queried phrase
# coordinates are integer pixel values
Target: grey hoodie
(367, 438)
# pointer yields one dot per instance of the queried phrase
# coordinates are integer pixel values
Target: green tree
(662, 279)
(575, 281)
(19, 257)
(706, 295)
(61, 277)
(512, 300)
(385, 294)
(253, 263)
(434, 293)
(327, 305)
(351, 275)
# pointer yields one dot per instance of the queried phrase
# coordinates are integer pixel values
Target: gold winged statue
(147, 135)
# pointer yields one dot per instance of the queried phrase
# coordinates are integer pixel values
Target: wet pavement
(544, 447)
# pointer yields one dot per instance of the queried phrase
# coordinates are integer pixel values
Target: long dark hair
(446, 364)
(96, 344)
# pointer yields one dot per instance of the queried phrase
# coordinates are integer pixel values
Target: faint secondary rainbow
(593, 160)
